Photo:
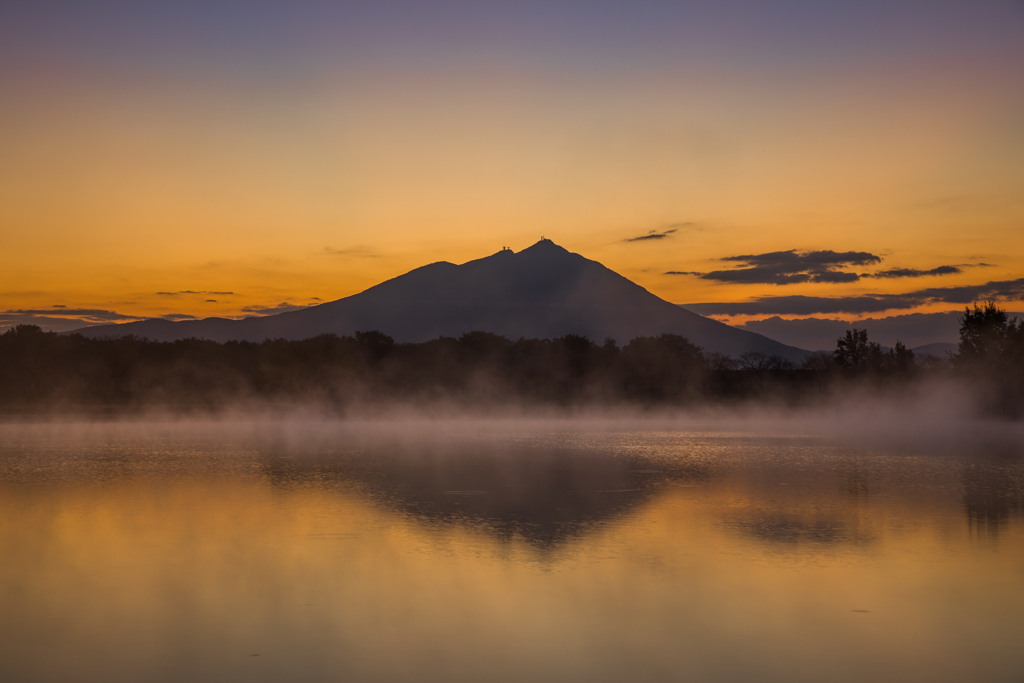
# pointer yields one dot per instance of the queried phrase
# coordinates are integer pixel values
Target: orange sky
(122, 178)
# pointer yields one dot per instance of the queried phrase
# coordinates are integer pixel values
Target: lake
(305, 550)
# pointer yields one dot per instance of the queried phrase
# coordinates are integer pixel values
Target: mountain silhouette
(543, 292)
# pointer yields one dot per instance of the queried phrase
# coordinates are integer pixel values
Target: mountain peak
(544, 245)
(544, 291)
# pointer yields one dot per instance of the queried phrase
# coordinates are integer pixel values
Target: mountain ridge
(543, 291)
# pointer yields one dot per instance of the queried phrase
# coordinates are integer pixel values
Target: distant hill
(913, 329)
(938, 349)
(544, 291)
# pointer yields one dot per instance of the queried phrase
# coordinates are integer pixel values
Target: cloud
(751, 276)
(93, 314)
(802, 305)
(189, 291)
(667, 230)
(999, 289)
(874, 303)
(796, 267)
(914, 272)
(62, 319)
(652, 235)
(794, 261)
(59, 306)
(681, 272)
(834, 276)
(793, 267)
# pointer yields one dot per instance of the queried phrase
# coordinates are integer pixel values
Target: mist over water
(769, 546)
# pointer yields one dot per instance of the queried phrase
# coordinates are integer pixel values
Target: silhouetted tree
(376, 344)
(753, 360)
(855, 354)
(820, 362)
(719, 362)
(900, 360)
(43, 369)
(664, 367)
(986, 336)
(991, 349)
(762, 362)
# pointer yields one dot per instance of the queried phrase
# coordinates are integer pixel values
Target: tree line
(46, 371)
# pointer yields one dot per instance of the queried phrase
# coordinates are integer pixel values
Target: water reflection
(993, 493)
(213, 554)
(542, 493)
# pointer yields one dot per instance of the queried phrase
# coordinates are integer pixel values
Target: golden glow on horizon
(111, 194)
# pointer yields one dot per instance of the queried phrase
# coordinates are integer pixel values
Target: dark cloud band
(798, 267)
(796, 261)
(88, 313)
(792, 267)
(914, 272)
(811, 305)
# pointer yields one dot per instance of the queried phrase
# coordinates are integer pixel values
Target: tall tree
(855, 354)
(984, 335)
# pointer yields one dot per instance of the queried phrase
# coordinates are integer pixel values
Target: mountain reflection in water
(542, 493)
(310, 552)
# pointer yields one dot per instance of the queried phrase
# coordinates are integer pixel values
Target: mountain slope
(543, 291)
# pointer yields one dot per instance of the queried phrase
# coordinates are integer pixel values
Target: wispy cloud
(92, 314)
(914, 272)
(61, 318)
(195, 292)
(653, 235)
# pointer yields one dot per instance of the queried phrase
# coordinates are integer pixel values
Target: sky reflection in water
(316, 553)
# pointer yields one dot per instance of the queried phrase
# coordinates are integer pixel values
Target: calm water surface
(326, 552)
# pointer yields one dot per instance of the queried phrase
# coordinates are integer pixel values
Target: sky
(756, 160)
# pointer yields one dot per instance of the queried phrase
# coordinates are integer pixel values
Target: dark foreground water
(323, 552)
